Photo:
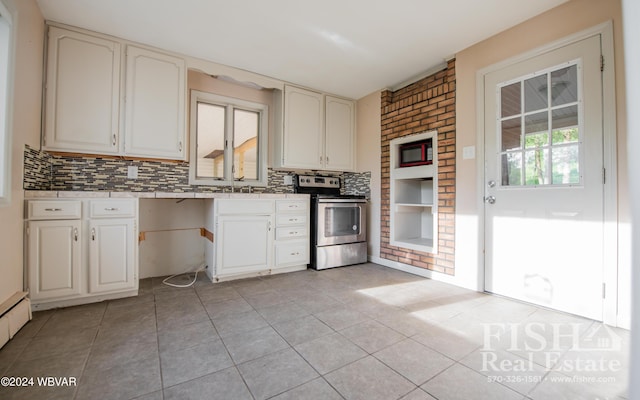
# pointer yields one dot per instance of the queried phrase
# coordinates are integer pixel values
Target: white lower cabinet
(111, 255)
(54, 258)
(292, 233)
(244, 244)
(87, 259)
(256, 236)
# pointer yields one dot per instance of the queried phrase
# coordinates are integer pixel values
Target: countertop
(63, 194)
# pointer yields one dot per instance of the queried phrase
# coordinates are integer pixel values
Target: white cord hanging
(195, 278)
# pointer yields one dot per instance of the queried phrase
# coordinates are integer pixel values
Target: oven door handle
(342, 200)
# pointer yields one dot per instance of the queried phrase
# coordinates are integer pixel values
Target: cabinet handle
(293, 206)
(93, 233)
(75, 234)
(53, 209)
(114, 140)
(292, 219)
(320, 159)
(111, 209)
(327, 159)
(293, 233)
(180, 146)
(295, 254)
(269, 226)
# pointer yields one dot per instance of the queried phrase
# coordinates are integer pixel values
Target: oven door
(340, 221)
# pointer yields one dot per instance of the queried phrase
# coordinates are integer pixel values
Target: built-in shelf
(414, 190)
(414, 205)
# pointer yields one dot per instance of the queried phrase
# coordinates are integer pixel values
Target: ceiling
(345, 47)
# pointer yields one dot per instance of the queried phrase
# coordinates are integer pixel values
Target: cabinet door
(112, 264)
(303, 129)
(243, 244)
(82, 93)
(340, 134)
(154, 119)
(54, 258)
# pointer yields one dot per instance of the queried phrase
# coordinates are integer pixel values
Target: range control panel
(317, 181)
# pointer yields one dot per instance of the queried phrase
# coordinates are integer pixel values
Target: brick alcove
(425, 105)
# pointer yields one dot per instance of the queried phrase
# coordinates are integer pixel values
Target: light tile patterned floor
(359, 332)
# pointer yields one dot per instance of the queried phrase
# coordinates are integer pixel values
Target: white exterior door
(544, 180)
(111, 255)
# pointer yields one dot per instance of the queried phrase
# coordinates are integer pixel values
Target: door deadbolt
(490, 199)
(491, 184)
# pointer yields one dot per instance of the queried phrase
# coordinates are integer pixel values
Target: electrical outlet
(288, 180)
(132, 172)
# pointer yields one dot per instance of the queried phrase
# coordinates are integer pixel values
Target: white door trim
(610, 245)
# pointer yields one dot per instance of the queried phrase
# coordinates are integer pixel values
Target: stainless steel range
(338, 222)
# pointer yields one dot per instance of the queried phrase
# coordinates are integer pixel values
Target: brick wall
(429, 104)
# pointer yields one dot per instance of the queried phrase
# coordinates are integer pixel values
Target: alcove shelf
(413, 200)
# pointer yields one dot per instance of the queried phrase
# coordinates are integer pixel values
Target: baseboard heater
(15, 312)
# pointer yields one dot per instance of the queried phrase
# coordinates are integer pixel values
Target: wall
(28, 28)
(368, 159)
(631, 10)
(555, 24)
(428, 104)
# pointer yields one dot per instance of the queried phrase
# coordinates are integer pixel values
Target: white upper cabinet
(303, 128)
(155, 105)
(339, 134)
(82, 93)
(85, 107)
(318, 132)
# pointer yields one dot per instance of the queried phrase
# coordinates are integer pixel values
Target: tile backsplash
(44, 171)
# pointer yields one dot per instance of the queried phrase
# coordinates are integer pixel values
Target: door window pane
(564, 85)
(245, 144)
(566, 168)
(210, 141)
(536, 129)
(536, 167)
(512, 169)
(565, 124)
(511, 134)
(510, 100)
(535, 93)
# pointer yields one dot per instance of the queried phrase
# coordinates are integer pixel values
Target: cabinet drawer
(298, 231)
(291, 219)
(291, 254)
(291, 205)
(244, 206)
(112, 208)
(54, 209)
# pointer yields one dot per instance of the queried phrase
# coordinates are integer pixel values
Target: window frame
(522, 150)
(230, 104)
(6, 110)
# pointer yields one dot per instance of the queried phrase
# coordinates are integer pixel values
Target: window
(539, 128)
(5, 110)
(228, 141)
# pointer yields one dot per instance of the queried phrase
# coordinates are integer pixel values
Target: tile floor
(360, 332)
